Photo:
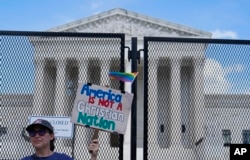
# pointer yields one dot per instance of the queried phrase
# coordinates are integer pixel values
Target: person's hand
(94, 147)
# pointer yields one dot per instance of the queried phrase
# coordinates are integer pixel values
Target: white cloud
(96, 5)
(234, 68)
(225, 34)
(215, 78)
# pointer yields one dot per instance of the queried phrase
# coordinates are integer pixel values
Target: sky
(225, 19)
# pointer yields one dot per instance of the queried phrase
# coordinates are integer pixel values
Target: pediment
(131, 24)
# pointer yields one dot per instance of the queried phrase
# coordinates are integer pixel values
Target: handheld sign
(101, 108)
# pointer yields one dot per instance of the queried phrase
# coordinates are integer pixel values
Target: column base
(174, 153)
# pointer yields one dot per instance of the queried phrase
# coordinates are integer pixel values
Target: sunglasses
(40, 132)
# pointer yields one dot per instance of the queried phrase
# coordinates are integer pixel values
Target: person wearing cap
(42, 138)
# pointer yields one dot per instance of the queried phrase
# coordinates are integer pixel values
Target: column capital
(81, 61)
(106, 61)
(175, 61)
(83, 69)
(154, 61)
(198, 61)
(61, 62)
(39, 61)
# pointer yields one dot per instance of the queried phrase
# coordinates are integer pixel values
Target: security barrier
(186, 105)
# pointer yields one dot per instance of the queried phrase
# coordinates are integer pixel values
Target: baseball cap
(40, 122)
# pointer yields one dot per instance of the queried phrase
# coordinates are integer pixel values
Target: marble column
(83, 71)
(198, 99)
(175, 101)
(81, 139)
(60, 92)
(105, 81)
(105, 68)
(152, 103)
(39, 87)
(60, 98)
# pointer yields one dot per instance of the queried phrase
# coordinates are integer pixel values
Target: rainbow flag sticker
(123, 76)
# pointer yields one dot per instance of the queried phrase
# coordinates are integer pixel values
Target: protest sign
(101, 108)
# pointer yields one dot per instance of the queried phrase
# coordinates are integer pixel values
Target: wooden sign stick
(96, 131)
(96, 134)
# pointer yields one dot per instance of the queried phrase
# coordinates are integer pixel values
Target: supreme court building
(54, 68)
(136, 25)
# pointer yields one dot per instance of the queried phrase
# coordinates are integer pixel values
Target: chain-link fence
(196, 97)
(39, 76)
(192, 99)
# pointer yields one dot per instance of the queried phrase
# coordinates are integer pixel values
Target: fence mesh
(39, 76)
(196, 92)
(196, 97)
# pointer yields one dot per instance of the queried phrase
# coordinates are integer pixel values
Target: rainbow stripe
(123, 76)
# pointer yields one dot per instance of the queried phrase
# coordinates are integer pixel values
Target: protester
(42, 138)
